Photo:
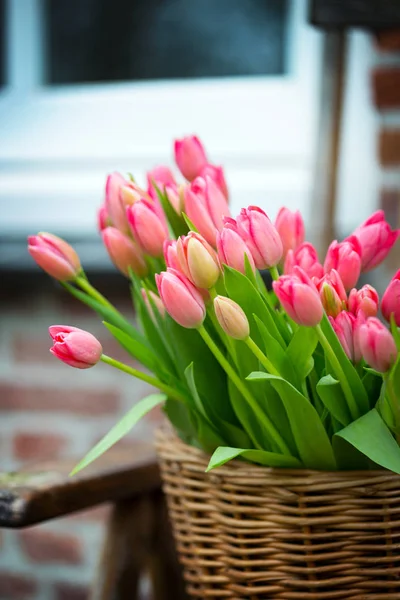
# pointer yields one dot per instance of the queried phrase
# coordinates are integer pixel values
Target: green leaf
(176, 221)
(301, 349)
(370, 435)
(331, 393)
(224, 454)
(311, 439)
(181, 418)
(189, 223)
(142, 353)
(277, 355)
(372, 381)
(349, 371)
(189, 375)
(120, 429)
(348, 458)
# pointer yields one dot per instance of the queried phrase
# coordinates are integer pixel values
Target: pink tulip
(175, 197)
(54, 256)
(391, 300)
(290, 226)
(114, 206)
(161, 176)
(232, 318)
(148, 228)
(131, 193)
(377, 345)
(190, 156)
(198, 261)
(75, 347)
(344, 326)
(103, 219)
(217, 175)
(206, 206)
(171, 255)
(260, 236)
(182, 301)
(365, 300)
(299, 298)
(345, 257)
(306, 257)
(231, 248)
(376, 239)
(123, 252)
(155, 301)
(332, 292)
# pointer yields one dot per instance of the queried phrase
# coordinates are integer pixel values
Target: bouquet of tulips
(303, 375)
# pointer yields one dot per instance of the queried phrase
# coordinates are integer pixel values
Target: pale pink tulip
(206, 206)
(198, 261)
(299, 298)
(365, 300)
(190, 156)
(182, 301)
(217, 175)
(290, 226)
(332, 293)
(124, 252)
(391, 300)
(171, 255)
(232, 318)
(148, 227)
(260, 236)
(114, 206)
(175, 197)
(377, 345)
(306, 257)
(231, 248)
(160, 176)
(103, 219)
(344, 326)
(55, 256)
(155, 300)
(75, 347)
(345, 258)
(376, 239)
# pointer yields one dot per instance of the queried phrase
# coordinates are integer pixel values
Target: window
(2, 44)
(116, 40)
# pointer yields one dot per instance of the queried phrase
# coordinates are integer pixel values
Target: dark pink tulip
(124, 252)
(290, 226)
(75, 347)
(376, 239)
(55, 256)
(260, 236)
(345, 258)
(217, 175)
(391, 300)
(299, 298)
(182, 301)
(103, 219)
(190, 156)
(365, 300)
(231, 248)
(206, 206)
(148, 226)
(377, 345)
(305, 257)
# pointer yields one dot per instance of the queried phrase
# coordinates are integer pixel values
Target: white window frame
(58, 142)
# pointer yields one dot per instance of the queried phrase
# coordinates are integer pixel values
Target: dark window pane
(109, 40)
(2, 43)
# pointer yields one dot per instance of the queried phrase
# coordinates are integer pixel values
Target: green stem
(274, 273)
(272, 431)
(266, 363)
(213, 293)
(351, 402)
(91, 291)
(143, 376)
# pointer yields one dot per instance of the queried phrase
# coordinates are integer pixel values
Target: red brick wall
(50, 410)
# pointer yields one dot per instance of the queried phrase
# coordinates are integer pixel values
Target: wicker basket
(244, 531)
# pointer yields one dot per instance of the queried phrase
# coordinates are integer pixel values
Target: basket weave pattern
(250, 532)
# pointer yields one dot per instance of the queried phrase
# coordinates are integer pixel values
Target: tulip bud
(391, 300)
(290, 226)
(190, 156)
(182, 301)
(57, 258)
(344, 326)
(103, 219)
(205, 205)
(198, 261)
(305, 257)
(332, 293)
(231, 248)
(232, 318)
(365, 300)
(171, 255)
(114, 206)
(124, 252)
(217, 175)
(160, 176)
(156, 300)
(377, 345)
(260, 236)
(147, 226)
(376, 239)
(345, 258)
(75, 347)
(299, 298)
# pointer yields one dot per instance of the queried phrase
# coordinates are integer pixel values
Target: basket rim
(171, 447)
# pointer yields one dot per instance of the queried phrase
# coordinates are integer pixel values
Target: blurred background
(92, 86)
